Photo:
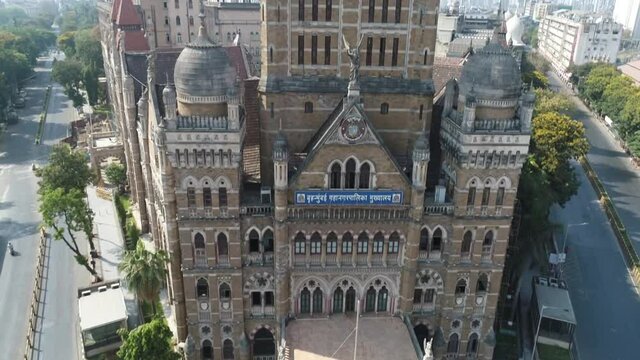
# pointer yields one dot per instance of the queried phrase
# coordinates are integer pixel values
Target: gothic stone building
(363, 193)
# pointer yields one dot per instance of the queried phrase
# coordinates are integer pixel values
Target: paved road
(19, 220)
(603, 296)
(619, 176)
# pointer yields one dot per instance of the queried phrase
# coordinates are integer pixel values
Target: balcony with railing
(331, 259)
(223, 260)
(263, 311)
(346, 260)
(424, 308)
(371, 214)
(315, 260)
(299, 259)
(361, 259)
(376, 260)
(486, 254)
(392, 259)
(200, 261)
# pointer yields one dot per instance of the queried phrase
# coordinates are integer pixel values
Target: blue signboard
(348, 197)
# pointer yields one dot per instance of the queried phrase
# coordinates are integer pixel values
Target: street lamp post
(566, 233)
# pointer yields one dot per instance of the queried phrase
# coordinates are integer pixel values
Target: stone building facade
(365, 196)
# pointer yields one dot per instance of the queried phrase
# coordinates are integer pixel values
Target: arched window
(466, 244)
(316, 244)
(384, 108)
(347, 243)
(177, 4)
(267, 240)
(308, 107)
(305, 301)
(424, 240)
(365, 176)
(332, 243)
(202, 288)
(471, 196)
(350, 174)
(336, 174)
(461, 287)
(223, 245)
(254, 241)
(483, 283)
(225, 292)
(178, 20)
(422, 333)
(378, 243)
(426, 55)
(394, 243)
(191, 20)
(452, 346)
(472, 345)
(207, 347)
(317, 301)
(222, 196)
(436, 241)
(363, 243)
(299, 244)
(338, 300)
(487, 242)
(199, 249)
(263, 343)
(383, 297)
(350, 300)
(227, 350)
(370, 301)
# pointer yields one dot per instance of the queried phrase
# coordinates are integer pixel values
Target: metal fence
(37, 294)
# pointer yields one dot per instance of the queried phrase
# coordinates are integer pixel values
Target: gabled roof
(135, 41)
(329, 133)
(127, 14)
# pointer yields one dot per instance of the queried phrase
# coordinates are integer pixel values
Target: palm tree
(145, 273)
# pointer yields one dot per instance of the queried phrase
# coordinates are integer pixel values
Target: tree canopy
(549, 101)
(148, 341)
(69, 74)
(116, 174)
(145, 272)
(67, 169)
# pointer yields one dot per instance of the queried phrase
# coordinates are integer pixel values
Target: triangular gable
(340, 128)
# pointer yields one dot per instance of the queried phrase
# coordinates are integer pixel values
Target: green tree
(615, 96)
(69, 73)
(634, 144)
(148, 341)
(629, 120)
(116, 174)
(67, 169)
(67, 213)
(556, 139)
(596, 82)
(67, 43)
(145, 272)
(550, 101)
(537, 78)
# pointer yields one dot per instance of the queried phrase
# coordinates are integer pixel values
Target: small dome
(492, 73)
(515, 29)
(203, 72)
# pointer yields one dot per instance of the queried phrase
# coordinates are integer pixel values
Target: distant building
(569, 38)
(529, 7)
(631, 69)
(540, 10)
(627, 13)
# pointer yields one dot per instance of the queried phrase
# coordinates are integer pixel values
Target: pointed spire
(202, 40)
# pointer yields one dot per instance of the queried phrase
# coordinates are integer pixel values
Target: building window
(350, 174)
(191, 197)
(452, 346)
(254, 241)
(164, 4)
(227, 350)
(314, 50)
(372, 10)
(314, 10)
(385, 10)
(335, 176)
(384, 108)
(363, 243)
(487, 243)
(483, 283)
(271, 110)
(168, 37)
(417, 296)
(270, 54)
(316, 244)
(500, 196)
(301, 10)
(223, 246)
(300, 49)
(166, 20)
(177, 4)
(305, 301)
(225, 292)
(465, 250)
(327, 50)
(472, 345)
(461, 287)
(421, 110)
(191, 20)
(398, 11)
(365, 176)
(317, 301)
(378, 243)
(471, 197)
(222, 197)
(308, 107)
(179, 40)
(426, 54)
(268, 298)
(394, 54)
(202, 288)
(329, 10)
(332, 243)
(256, 299)
(394, 243)
(436, 241)
(206, 197)
(485, 196)
(278, 12)
(199, 249)
(190, 3)
(299, 244)
(424, 240)
(383, 43)
(207, 350)
(267, 241)
(429, 296)
(369, 51)
(347, 243)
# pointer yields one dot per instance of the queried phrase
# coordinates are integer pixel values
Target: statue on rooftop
(354, 56)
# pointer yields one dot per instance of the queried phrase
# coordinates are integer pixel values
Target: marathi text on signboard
(348, 197)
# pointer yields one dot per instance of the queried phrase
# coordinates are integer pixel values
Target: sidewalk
(110, 245)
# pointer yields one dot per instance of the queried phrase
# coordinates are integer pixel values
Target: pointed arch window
(267, 240)
(206, 197)
(225, 292)
(202, 288)
(335, 176)
(299, 244)
(332, 243)
(378, 243)
(487, 243)
(350, 300)
(424, 240)
(199, 249)
(425, 57)
(347, 243)
(436, 241)
(383, 298)
(305, 301)
(452, 346)
(222, 197)
(350, 174)
(178, 20)
(465, 250)
(483, 283)
(363, 243)
(223, 246)
(190, 4)
(207, 348)
(471, 197)
(338, 300)
(370, 301)
(461, 287)
(318, 299)
(254, 241)
(394, 243)
(227, 350)
(316, 244)
(500, 196)
(365, 176)
(472, 345)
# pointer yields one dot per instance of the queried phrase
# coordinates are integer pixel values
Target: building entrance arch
(263, 344)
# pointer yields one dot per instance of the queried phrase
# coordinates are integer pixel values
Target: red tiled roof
(114, 9)
(444, 69)
(251, 151)
(135, 41)
(127, 14)
(236, 57)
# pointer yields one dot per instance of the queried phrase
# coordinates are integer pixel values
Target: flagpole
(355, 346)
